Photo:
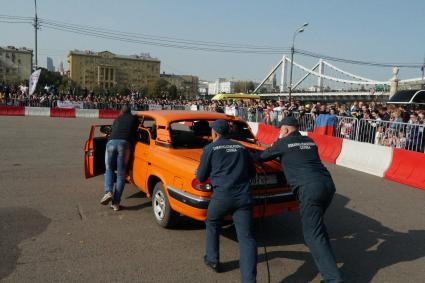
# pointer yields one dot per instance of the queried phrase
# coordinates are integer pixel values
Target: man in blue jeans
(117, 155)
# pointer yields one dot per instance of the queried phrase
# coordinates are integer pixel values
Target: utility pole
(423, 78)
(36, 27)
(299, 30)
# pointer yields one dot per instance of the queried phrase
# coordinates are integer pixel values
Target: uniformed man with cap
(230, 167)
(312, 183)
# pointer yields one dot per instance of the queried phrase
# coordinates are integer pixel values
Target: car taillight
(202, 186)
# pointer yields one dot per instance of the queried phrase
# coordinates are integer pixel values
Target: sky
(378, 30)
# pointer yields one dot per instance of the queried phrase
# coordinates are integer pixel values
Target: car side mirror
(106, 129)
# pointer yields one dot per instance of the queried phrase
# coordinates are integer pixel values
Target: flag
(33, 81)
(325, 125)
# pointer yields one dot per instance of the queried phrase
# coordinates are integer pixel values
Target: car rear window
(197, 133)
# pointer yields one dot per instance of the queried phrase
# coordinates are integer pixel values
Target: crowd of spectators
(372, 122)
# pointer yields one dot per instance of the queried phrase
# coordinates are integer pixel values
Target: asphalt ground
(53, 229)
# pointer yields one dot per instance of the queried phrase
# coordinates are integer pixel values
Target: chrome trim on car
(275, 195)
(188, 198)
(276, 198)
(202, 202)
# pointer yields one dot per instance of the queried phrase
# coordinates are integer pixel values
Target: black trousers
(315, 198)
(241, 211)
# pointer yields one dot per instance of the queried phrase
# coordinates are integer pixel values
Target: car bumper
(202, 202)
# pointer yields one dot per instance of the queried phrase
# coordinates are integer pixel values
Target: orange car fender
(156, 172)
(169, 179)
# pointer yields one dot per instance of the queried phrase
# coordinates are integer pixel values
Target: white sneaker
(106, 198)
(115, 207)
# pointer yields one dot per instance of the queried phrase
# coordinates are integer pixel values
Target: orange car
(167, 154)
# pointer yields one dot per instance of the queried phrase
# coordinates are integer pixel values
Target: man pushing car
(117, 155)
(230, 167)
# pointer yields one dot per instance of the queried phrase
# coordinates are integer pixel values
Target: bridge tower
(321, 72)
(283, 75)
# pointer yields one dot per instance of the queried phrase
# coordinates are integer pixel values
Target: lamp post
(36, 27)
(299, 30)
(423, 74)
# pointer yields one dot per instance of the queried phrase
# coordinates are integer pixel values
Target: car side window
(150, 124)
(144, 136)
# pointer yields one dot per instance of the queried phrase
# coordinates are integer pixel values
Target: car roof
(166, 116)
(235, 96)
(408, 97)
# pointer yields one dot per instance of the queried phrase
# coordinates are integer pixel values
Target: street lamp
(423, 74)
(299, 30)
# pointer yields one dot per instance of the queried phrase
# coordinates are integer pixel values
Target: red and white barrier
(86, 113)
(329, 147)
(108, 114)
(407, 167)
(62, 112)
(402, 166)
(365, 157)
(254, 127)
(267, 134)
(37, 111)
(58, 112)
(12, 111)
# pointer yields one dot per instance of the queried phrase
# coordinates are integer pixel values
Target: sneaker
(213, 265)
(106, 198)
(115, 207)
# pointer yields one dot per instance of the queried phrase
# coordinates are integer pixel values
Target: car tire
(162, 211)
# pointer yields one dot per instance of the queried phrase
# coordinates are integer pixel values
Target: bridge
(318, 71)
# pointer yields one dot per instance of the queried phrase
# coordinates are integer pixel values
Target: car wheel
(162, 211)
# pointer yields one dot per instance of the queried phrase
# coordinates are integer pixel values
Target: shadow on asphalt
(361, 244)
(186, 223)
(16, 225)
(136, 207)
(138, 194)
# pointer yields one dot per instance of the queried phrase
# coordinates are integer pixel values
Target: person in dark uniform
(230, 167)
(312, 183)
(117, 155)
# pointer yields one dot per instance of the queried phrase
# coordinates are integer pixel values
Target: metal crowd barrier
(394, 134)
(347, 127)
(386, 133)
(306, 121)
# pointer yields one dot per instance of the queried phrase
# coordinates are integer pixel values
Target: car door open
(94, 150)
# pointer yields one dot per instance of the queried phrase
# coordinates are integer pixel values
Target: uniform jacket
(230, 167)
(299, 158)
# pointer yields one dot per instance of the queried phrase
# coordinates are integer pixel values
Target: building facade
(187, 85)
(106, 70)
(203, 88)
(15, 64)
(221, 86)
(49, 64)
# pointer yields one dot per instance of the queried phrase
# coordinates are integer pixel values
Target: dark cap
(125, 108)
(289, 121)
(220, 126)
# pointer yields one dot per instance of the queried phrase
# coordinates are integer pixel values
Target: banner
(155, 107)
(33, 81)
(230, 110)
(70, 104)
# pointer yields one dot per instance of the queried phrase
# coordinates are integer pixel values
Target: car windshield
(197, 133)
